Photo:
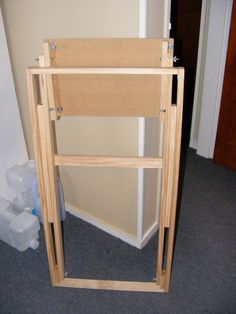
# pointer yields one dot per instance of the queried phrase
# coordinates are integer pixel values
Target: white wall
(12, 144)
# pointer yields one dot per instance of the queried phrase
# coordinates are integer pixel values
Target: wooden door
(225, 148)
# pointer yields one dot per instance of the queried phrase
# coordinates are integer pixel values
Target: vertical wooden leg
(166, 178)
(177, 135)
(166, 196)
(49, 174)
(44, 154)
(171, 157)
(168, 209)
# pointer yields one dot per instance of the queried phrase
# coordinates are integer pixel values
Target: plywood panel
(107, 95)
(106, 52)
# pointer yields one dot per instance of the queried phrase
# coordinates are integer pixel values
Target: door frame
(212, 51)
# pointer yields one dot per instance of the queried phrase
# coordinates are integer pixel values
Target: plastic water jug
(23, 179)
(37, 209)
(21, 231)
(20, 178)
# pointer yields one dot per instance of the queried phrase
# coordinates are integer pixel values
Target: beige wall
(108, 194)
(158, 16)
(155, 26)
(29, 22)
(111, 195)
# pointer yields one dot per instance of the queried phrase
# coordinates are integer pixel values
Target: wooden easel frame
(41, 100)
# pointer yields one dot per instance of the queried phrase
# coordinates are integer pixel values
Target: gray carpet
(204, 269)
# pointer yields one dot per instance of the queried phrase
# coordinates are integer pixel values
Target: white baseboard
(148, 234)
(99, 223)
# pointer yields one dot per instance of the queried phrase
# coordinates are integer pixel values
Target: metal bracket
(53, 46)
(174, 59)
(58, 109)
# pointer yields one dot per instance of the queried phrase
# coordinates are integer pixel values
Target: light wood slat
(166, 87)
(47, 63)
(105, 71)
(170, 164)
(176, 160)
(110, 285)
(32, 92)
(128, 69)
(104, 161)
(48, 173)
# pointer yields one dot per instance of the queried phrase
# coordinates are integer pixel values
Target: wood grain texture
(167, 141)
(50, 84)
(32, 92)
(131, 92)
(47, 158)
(171, 158)
(105, 71)
(110, 52)
(177, 132)
(48, 173)
(104, 161)
(107, 96)
(110, 285)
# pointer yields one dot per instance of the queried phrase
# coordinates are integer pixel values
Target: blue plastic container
(37, 209)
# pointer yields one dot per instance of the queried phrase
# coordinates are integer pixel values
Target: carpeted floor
(204, 269)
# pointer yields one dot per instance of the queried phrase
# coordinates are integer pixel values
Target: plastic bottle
(18, 230)
(23, 179)
(37, 209)
(20, 178)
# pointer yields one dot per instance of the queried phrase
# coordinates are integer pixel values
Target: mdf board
(106, 53)
(106, 95)
(48, 159)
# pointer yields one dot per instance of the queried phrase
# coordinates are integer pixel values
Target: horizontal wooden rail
(104, 161)
(104, 71)
(110, 285)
